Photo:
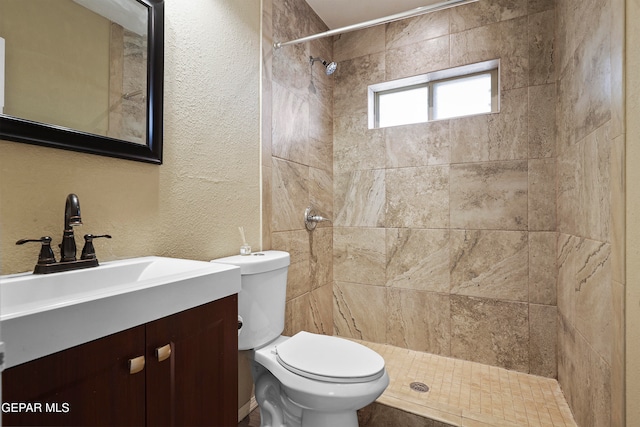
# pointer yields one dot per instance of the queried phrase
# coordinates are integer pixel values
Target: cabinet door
(197, 385)
(87, 385)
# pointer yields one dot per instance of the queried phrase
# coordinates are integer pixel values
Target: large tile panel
(352, 79)
(355, 146)
(491, 195)
(542, 194)
(290, 125)
(418, 259)
(297, 244)
(360, 311)
(420, 144)
(541, 48)
(417, 29)
(419, 320)
(359, 255)
(483, 13)
(417, 197)
(321, 308)
(417, 58)
(360, 198)
(490, 264)
(542, 121)
(593, 296)
(543, 269)
(543, 337)
(290, 194)
(490, 331)
(498, 136)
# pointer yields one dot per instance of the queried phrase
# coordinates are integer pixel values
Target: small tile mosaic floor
(469, 394)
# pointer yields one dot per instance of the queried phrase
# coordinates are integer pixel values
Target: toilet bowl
(312, 393)
(307, 380)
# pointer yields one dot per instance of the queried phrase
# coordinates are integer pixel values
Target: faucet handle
(46, 253)
(88, 251)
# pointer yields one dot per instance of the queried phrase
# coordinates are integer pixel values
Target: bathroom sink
(43, 314)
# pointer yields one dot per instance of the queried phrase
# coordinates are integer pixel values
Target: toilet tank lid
(257, 262)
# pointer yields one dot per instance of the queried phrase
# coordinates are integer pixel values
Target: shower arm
(395, 17)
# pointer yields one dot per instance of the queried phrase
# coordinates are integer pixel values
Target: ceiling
(340, 13)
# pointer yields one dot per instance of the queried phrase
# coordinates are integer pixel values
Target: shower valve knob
(311, 219)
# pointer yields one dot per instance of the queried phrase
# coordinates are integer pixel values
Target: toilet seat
(331, 359)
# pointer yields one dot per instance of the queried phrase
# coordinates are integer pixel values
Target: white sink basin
(43, 314)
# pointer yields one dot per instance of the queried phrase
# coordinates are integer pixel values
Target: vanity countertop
(43, 314)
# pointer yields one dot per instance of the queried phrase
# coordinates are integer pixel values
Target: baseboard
(247, 408)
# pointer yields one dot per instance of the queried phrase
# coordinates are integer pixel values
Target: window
(403, 106)
(456, 92)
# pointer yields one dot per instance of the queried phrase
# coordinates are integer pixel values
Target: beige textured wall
(633, 211)
(80, 64)
(590, 205)
(444, 233)
(208, 185)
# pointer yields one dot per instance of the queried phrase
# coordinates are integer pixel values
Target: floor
(463, 393)
(252, 420)
(460, 394)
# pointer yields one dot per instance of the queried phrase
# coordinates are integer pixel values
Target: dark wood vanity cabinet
(189, 376)
(198, 384)
(85, 385)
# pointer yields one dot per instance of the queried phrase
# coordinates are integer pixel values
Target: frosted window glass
(403, 107)
(461, 97)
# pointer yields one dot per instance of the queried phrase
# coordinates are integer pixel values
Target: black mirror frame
(46, 135)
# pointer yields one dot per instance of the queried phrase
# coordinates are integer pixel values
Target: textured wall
(444, 234)
(209, 183)
(590, 206)
(297, 159)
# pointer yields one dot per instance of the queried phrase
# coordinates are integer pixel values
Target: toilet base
(323, 419)
(277, 410)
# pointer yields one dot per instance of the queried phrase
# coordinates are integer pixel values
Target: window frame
(428, 80)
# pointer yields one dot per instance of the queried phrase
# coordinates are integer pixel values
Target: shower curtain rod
(395, 17)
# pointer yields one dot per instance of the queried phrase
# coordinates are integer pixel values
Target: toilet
(308, 379)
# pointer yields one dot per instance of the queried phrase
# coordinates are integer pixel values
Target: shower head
(330, 66)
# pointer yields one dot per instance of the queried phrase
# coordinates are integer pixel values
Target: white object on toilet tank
(262, 296)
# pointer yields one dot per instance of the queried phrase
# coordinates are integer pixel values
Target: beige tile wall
(478, 237)
(444, 234)
(297, 160)
(590, 209)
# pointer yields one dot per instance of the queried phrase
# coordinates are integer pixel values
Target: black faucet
(46, 260)
(72, 218)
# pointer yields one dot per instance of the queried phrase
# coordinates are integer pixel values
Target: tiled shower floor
(463, 393)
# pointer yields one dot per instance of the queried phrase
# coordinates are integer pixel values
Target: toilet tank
(262, 296)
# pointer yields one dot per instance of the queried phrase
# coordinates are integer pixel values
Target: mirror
(84, 75)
